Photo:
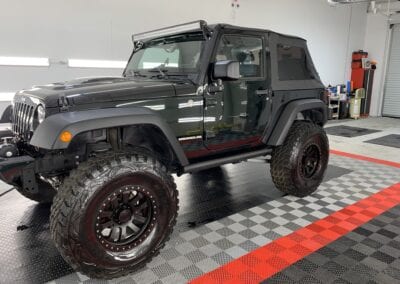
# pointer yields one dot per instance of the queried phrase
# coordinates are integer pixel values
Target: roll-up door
(391, 102)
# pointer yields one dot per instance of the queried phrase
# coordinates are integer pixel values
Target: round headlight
(41, 113)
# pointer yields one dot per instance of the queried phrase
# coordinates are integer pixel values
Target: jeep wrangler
(192, 97)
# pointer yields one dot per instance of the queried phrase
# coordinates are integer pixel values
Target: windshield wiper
(159, 70)
(135, 73)
(182, 77)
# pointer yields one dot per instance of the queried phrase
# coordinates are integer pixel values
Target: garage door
(391, 104)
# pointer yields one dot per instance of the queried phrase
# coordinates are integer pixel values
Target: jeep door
(237, 116)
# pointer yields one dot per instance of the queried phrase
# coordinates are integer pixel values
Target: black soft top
(198, 26)
(229, 26)
(274, 38)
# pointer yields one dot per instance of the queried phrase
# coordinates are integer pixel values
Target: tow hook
(7, 149)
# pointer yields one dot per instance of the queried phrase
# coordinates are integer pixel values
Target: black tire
(298, 166)
(113, 183)
(45, 194)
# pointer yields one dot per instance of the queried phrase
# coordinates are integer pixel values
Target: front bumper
(17, 170)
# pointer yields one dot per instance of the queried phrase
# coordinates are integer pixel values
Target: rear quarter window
(292, 63)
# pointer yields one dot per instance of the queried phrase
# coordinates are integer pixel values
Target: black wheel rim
(310, 161)
(125, 218)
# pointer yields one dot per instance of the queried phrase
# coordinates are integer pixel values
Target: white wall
(85, 29)
(101, 29)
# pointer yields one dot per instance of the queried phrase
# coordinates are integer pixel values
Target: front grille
(22, 118)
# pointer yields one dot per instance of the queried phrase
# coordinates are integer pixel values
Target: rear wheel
(113, 214)
(298, 166)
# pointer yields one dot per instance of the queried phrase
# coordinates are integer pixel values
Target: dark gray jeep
(192, 97)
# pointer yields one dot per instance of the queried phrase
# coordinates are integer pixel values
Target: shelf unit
(334, 106)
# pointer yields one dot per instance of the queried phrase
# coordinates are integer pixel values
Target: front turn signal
(66, 136)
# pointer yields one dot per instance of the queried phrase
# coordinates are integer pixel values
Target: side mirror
(226, 70)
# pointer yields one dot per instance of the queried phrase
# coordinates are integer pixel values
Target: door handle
(211, 102)
(266, 92)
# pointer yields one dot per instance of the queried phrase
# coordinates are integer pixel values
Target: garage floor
(235, 227)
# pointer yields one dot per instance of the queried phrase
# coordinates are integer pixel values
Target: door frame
(264, 36)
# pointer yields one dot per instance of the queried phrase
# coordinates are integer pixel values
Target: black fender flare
(47, 134)
(289, 115)
(6, 116)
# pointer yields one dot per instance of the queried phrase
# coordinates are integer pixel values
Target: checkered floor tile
(192, 253)
(369, 254)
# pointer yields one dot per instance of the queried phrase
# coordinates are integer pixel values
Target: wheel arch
(151, 138)
(307, 109)
(47, 134)
(6, 116)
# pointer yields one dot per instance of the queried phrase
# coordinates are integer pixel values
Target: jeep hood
(101, 89)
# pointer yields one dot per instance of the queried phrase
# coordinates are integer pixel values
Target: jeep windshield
(177, 55)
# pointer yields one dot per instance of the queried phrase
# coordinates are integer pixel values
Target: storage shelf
(334, 105)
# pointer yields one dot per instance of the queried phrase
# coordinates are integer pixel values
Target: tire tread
(66, 210)
(280, 162)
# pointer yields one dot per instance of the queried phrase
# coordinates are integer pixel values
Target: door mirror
(226, 70)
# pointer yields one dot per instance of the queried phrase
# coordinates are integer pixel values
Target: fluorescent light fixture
(89, 63)
(6, 96)
(24, 61)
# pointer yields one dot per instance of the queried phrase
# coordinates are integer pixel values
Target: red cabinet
(357, 73)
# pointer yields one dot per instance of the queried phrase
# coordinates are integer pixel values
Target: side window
(245, 49)
(292, 63)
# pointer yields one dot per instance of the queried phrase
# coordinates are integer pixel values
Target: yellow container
(355, 107)
(360, 93)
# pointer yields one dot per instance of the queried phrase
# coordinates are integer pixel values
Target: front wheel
(113, 214)
(298, 166)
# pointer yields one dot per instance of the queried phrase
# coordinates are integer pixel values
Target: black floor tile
(307, 265)
(363, 232)
(383, 257)
(348, 131)
(371, 243)
(356, 255)
(392, 140)
(387, 233)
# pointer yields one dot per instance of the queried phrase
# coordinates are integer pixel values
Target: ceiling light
(24, 61)
(88, 63)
